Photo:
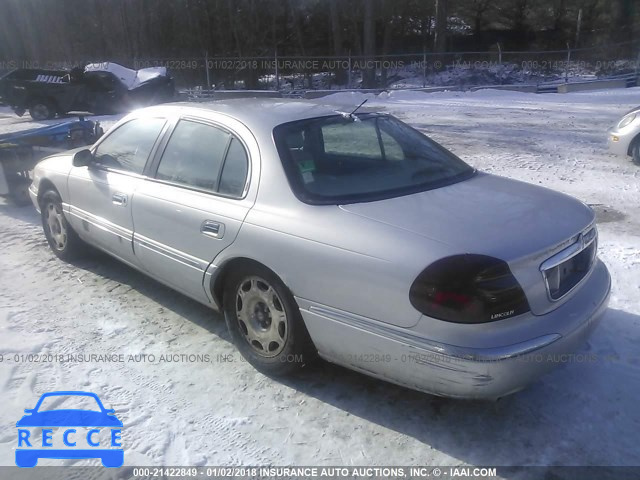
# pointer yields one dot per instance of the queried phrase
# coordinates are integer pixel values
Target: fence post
(499, 53)
(566, 70)
(424, 66)
(206, 66)
(349, 75)
(578, 25)
(277, 71)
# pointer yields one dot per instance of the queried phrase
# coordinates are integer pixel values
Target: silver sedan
(350, 236)
(624, 137)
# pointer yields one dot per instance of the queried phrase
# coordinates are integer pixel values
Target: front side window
(128, 147)
(204, 157)
(333, 160)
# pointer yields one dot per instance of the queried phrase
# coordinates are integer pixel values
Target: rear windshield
(338, 160)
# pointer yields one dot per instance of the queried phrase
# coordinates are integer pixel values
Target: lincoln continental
(337, 232)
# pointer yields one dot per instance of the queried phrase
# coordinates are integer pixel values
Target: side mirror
(29, 410)
(83, 158)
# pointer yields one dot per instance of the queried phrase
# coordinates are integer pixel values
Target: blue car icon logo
(84, 433)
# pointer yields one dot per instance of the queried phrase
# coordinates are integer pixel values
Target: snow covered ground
(190, 411)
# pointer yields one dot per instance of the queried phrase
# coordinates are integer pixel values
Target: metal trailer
(20, 151)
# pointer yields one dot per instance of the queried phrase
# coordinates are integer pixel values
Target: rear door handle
(213, 229)
(119, 199)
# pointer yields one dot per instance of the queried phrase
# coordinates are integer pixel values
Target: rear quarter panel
(330, 257)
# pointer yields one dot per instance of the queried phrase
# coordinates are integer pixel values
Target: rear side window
(129, 146)
(234, 172)
(204, 157)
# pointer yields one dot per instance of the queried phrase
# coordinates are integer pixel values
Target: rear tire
(264, 321)
(63, 240)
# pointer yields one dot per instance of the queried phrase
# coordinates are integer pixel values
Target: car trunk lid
(520, 223)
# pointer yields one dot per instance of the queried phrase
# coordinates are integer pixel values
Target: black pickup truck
(100, 88)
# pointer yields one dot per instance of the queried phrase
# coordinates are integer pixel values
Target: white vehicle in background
(624, 137)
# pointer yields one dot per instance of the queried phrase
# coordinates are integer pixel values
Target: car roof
(260, 113)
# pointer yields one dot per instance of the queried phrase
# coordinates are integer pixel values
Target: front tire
(63, 240)
(264, 321)
(635, 152)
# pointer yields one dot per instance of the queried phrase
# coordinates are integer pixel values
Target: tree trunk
(369, 74)
(440, 38)
(624, 20)
(386, 43)
(336, 37)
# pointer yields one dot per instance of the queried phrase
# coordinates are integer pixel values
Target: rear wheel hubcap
(261, 316)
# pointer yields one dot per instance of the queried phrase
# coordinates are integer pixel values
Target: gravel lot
(200, 404)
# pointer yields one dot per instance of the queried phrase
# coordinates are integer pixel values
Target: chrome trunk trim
(583, 241)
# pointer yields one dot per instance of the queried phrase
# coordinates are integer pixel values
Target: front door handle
(119, 199)
(212, 228)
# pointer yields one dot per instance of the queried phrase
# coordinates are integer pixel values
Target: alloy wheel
(56, 226)
(261, 316)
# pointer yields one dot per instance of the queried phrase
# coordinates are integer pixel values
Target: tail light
(468, 289)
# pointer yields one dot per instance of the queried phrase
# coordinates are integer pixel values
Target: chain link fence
(411, 70)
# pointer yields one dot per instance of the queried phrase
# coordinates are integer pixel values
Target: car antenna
(352, 114)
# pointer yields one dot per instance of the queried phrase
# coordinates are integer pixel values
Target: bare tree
(369, 47)
(440, 36)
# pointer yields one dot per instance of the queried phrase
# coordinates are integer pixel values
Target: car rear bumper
(454, 371)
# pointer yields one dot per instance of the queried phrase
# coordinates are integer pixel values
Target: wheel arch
(632, 144)
(44, 99)
(44, 186)
(223, 271)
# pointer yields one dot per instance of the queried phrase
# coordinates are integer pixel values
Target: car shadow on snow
(111, 269)
(583, 413)
(24, 213)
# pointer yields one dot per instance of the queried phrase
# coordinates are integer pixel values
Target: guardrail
(617, 81)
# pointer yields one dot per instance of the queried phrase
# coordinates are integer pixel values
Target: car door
(100, 194)
(193, 204)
